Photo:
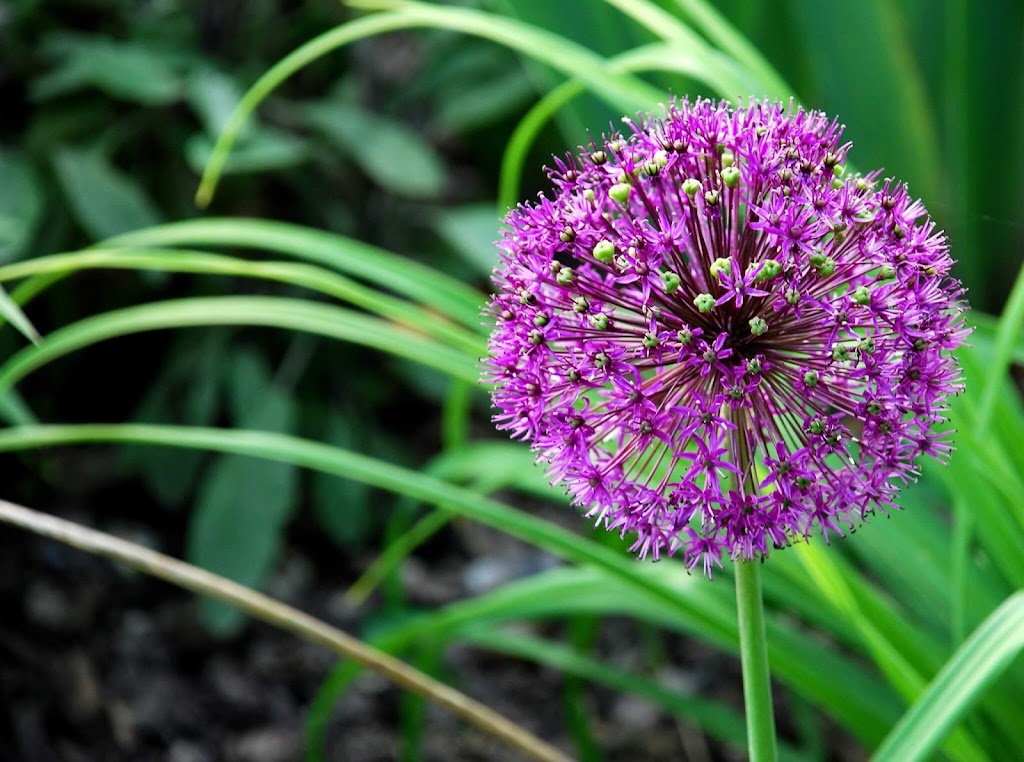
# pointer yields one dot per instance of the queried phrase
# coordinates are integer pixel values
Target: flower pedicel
(718, 339)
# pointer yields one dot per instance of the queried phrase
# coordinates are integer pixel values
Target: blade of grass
(423, 284)
(555, 51)
(718, 720)
(983, 657)
(897, 669)
(1008, 335)
(855, 699)
(274, 312)
(718, 29)
(307, 276)
(655, 57)
(10, 311)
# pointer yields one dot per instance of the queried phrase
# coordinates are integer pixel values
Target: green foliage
(906, 636)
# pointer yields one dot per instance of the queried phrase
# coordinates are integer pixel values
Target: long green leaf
(981, 659)
(733, 43)
(709, 69)
(716, 719)
(11, 312)
(299, 274)
(293, 314)
(399, 274)
(856, 700)
(563, 55)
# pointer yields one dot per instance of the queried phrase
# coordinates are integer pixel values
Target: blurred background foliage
(110, 110)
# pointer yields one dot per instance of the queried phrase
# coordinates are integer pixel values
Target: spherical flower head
(720, 341)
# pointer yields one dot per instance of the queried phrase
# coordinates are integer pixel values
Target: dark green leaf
(127, 71)
(263, 149)
(244, 504)
(104, 200)
(342, 505)
(21, 204)
(213, 95)
(391, 154)
(472, 231)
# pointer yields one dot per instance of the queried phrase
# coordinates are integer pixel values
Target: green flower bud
(711, 197)
(620, 192)
(862, 295)
(580, 304)
(604, 251)
(588, 194)
(753, 366)
(601, 360)
(564, 276)
(541, 320)
(827, 267)
(758, 326)
(704, 302)
(886, 272)
(770, 268)
(811, 378)
(691, 186)
(599, 157)
(599, 321)
(816, 426)
(684, 335)
(728, 159)
(650, 340)
(792, 295)
(719, 266)
(536, 337)
(731, 177)
(568, 235)
(670, 281)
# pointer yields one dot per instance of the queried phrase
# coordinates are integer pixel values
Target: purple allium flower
(719, 340)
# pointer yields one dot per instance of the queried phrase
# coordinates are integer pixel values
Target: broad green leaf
(104, 200)
(472, 232)
(391, 154)
(185, 391)
(263, 149)
(124, 70)
(21, 204)
(244, 503)
(213, 95)
(343, 506)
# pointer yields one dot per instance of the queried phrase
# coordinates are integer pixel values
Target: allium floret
(719, 339)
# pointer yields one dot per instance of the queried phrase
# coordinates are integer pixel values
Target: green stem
(757, 689)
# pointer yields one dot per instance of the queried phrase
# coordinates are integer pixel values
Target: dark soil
(100, 663)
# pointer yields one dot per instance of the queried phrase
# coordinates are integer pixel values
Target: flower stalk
(757, 692)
